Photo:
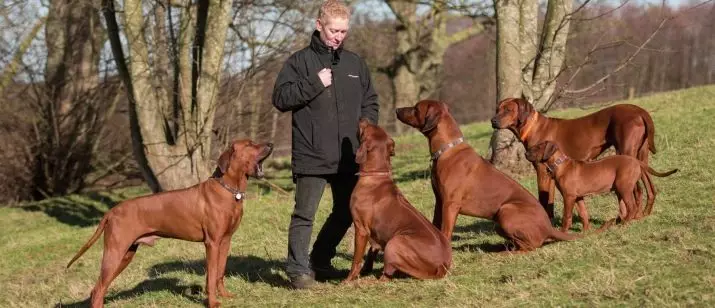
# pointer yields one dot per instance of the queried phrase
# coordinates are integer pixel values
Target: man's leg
(337, 223)
(308, 191)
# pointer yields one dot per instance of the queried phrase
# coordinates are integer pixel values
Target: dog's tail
(91, 241)
(657, 173)
(650, 131)
(563, 236)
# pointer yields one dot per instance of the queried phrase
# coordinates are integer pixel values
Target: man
(327, 89)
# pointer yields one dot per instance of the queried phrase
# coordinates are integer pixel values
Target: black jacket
(325, 120)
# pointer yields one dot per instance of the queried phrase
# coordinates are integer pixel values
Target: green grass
(667, 259)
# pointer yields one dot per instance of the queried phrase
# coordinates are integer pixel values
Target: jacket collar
(319, 47)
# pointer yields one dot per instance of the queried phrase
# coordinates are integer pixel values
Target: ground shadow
(577, 224)
(483, 247)
(173, 285)
(250, 268)
(74, 212)
(479, 226)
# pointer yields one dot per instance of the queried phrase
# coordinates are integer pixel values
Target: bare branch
(623, 64)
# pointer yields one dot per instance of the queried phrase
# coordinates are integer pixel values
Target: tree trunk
(506, 152)
(552, 52)
(416, 69)
(176, 155)
(525, 70)
(69, 119)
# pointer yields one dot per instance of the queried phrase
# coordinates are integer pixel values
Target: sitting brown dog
(411, 244)
(464, 183)
(208, 212)
(576, 179)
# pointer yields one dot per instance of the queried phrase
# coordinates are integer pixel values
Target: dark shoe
(328, 272)
(302, 281)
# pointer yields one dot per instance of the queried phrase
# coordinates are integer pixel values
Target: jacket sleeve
(370, 106)
(292, 90)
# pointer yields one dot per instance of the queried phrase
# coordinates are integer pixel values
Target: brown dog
(465, 183)
(628, 128)
(208, 212)
(412, 245)
(576, 179)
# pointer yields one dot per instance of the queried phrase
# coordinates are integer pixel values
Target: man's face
(333, 31)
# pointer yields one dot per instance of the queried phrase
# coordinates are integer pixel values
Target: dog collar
(529, 125)
(446, 147)
(236, 193)
(374, 173)
(558, 161)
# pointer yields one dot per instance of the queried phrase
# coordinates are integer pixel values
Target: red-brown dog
(576, 179)
(208, 212)
(628, 128)
(465, 183)
(411, 244)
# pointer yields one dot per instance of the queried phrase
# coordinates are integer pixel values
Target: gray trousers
(308, 191)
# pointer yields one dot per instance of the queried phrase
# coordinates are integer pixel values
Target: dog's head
(244, 157)
(376, 147)
(425, 115)
(541, 152)
(512, 113)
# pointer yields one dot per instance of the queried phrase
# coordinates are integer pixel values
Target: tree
(422, 41)
(69, 112)
(527, 65)
(172, 82)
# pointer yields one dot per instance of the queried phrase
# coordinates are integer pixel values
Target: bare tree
(68, 108)
(422, 41)
(171, 125)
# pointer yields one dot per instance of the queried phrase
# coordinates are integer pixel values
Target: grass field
(667, 259)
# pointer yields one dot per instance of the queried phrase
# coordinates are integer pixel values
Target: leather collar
(444, 148)
(374, 173)
(551, 167)
(236, 193)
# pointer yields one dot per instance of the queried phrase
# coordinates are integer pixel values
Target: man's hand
(326, 76)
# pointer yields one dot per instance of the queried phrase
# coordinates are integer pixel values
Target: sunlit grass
(666, 259)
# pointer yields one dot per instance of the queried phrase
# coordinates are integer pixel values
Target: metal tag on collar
(239, 196)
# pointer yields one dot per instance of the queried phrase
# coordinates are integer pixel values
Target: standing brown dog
(628, 128)
(412, 245)
(576, 179)
(464, 183)
(208, 212)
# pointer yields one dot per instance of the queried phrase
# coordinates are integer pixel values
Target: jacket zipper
(333, 65)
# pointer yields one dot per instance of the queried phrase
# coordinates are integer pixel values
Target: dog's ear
(549, 150)
(361, 154)
(391, 147)
(532, 154)
(431, 118)
(525, 109)
(225, 159)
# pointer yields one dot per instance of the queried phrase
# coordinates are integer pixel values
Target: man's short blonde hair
(333, 9)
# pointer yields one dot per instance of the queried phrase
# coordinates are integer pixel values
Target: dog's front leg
(224, 250)
(212, 256)
(546, 188)
(360, 243)
(449, 219)
(437, 216)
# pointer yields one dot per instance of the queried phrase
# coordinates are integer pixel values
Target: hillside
(663, 260)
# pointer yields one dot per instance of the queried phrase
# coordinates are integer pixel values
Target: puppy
(576, 179)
